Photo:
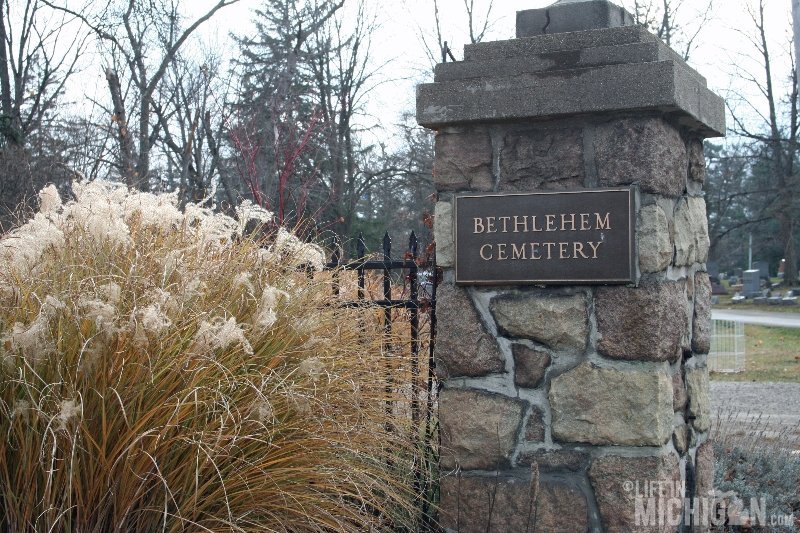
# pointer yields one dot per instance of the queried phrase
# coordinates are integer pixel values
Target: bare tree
(439, 40)
(477, 29)
(738, 194)
(341, 73)
(39, 52)
(190, 138)
(672, 21)
(143, 39)
(37, 57)
(796, 29)
(405, 202)
(775, 132)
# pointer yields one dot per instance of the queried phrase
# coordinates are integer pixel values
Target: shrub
(757, 458)
(162, 372)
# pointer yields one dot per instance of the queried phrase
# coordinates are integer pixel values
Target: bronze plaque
(565, 237)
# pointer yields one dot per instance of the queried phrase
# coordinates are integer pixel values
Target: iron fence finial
(387, 245)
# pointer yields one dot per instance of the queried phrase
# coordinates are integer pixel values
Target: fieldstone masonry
(554, 397)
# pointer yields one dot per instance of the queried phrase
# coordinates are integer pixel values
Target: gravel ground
(777, 403)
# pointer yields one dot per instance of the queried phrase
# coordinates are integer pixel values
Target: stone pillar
(558, 401)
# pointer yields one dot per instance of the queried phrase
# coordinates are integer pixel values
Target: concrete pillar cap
(572, 15)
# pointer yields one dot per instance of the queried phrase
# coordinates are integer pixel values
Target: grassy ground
(771, 354)
(726, 303)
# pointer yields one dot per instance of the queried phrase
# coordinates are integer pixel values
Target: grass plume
(161, 372)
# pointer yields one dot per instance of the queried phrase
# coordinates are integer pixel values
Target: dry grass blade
(160, 373)
(757, 457)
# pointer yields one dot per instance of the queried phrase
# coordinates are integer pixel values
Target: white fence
(727, 346)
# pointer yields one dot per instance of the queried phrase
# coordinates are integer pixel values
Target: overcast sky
(722, 52)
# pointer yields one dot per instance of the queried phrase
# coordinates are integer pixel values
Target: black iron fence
(413, 290)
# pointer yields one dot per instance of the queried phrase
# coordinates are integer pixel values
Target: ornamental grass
(159, 371)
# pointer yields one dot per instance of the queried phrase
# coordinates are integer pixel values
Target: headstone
(585, 101)
(763, 269)
(752, 283)
(718, 288)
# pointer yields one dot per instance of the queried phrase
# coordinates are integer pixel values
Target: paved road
(762, 318)
(772, 409)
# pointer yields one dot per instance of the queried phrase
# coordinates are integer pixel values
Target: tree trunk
(796, 31)
(141, 174)
(790, 254)
(231, 194)
(16, 186)
(124, 138)
(790, 273)
(7, 126)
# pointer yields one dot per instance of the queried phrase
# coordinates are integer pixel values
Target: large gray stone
(701, 319)
(443, 234)
(661, 86)
(478, 429)
(697, 389)
(645, 151)
(645, 323)
(530, 366)
(697, 160)
(704, 470)
(507, 503)
(558, 321)
(607, 406)
(680, 438)
(573, 16)
(704, 485)
(560, 508)
(679, 397)
(463, 346)
(614, 480)
(498, 503)
(463, 160)
(655, 244)
(691, 232)
(534, 427)
(541, 159)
